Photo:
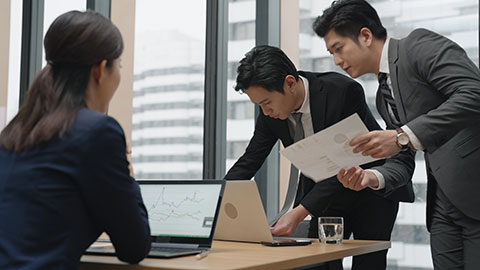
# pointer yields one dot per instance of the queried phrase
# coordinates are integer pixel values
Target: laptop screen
(182, 211)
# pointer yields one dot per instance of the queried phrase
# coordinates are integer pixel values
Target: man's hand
(357, 179)
(288, 222)
(378, 144)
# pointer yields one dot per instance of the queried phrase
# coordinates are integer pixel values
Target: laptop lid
(242, 217)
(182, 212)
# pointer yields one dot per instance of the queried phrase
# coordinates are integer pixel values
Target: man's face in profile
(273, 103)
(351, 56)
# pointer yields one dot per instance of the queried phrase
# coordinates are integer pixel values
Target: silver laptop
(182, 216)
(242, 217)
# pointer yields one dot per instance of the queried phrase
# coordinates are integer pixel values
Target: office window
(458, 20)
(241, 30)
(241, 110)
(236, 149)
(167, 121)
(240, 117)
(9, 106)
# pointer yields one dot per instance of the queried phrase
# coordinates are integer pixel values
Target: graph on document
(180, 209)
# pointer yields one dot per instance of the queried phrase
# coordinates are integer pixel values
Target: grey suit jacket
(437, 93)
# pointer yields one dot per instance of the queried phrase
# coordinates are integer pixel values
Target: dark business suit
(437, 94)
(368, 214)
(57, 198)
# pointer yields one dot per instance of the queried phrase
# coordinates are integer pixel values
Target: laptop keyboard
(168, 250)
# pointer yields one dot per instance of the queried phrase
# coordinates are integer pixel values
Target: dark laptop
(182, 216)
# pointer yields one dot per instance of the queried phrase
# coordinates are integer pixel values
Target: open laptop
(182, 216)
(242, 217)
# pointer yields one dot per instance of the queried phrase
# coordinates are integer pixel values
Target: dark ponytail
(73, 44)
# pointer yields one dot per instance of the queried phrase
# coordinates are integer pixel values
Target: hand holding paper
(357, 179)
(323, 154)
(378, 144)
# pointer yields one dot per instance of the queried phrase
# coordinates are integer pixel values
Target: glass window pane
(13, 62)
(457, 20)
(240, 111)
(167, 123)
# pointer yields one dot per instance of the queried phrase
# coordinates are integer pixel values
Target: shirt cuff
(413, 139)
(381, 179)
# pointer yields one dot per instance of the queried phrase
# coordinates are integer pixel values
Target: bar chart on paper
(181, 210)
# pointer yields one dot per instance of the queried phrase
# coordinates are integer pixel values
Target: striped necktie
(387, 95)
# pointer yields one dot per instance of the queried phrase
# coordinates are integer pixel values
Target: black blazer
(437, 93)
(333, 97)
(56, 199)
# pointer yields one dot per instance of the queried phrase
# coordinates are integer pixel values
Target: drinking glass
(330, 230)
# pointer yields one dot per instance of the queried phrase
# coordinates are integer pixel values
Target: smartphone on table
(287, 242)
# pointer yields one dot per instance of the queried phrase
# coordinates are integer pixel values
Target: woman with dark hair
(64, 176)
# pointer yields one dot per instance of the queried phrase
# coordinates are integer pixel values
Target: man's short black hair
(264, 66)
(347, 18)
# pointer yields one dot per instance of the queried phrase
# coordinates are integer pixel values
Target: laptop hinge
(174, 245)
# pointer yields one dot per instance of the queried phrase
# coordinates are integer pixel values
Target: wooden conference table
(232, 255)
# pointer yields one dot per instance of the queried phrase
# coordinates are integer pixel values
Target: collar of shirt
(305, 108)
(384, 66)
(384, 58)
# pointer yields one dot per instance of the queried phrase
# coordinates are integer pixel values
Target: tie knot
(297, 117)
(382, 77)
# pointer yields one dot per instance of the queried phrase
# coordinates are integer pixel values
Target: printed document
(323, 154)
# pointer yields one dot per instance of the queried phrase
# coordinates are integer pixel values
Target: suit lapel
(392, 63)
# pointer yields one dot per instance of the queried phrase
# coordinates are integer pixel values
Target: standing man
(430, 93)
(313, 102)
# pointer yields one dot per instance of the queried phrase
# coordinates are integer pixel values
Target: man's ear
(365, 36)
(98, 71)
(290, 83)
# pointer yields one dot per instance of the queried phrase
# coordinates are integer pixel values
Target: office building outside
(167, 135)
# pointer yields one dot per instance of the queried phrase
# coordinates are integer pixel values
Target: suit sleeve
(112, 197)
(397, 170)
(448, 70)
(257, 151)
